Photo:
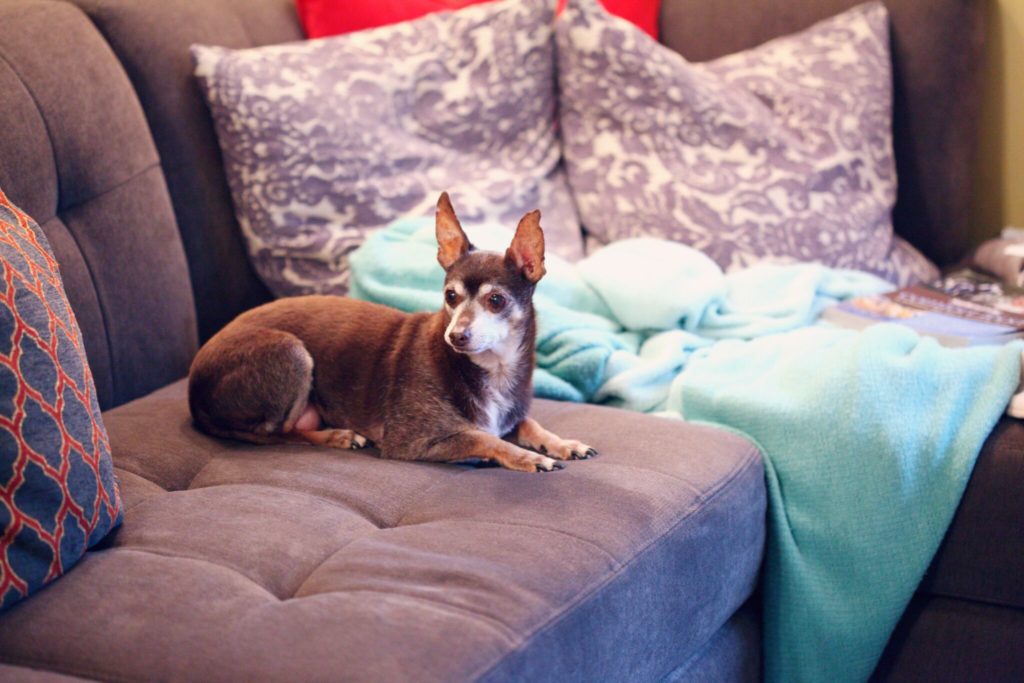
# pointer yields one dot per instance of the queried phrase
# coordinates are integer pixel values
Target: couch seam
(113, 188)
(423, 495)
(149, 551)
(695, 508)
(46, 126)
(496, 624)
(287, 489)
(588, 542)
(59, 213)
(688, 484)
(321, 563)
(36, 664)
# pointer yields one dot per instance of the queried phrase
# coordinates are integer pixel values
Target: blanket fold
(869, 437)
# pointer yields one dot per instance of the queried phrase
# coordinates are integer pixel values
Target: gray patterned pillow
(782, 152)
(328, 139)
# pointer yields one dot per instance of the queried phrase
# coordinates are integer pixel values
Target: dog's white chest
(494, 413)
(495, 402)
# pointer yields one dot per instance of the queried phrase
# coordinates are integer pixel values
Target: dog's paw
(549, 465)
(360, 441)
(568, 449)
(344, 439)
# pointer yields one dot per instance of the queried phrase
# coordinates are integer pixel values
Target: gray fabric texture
(75, 153)
(295, 563)
(732, 654)
(151, 38)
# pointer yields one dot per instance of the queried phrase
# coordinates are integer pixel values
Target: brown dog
(442, 386)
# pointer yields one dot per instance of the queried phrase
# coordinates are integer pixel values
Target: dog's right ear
(452, 242)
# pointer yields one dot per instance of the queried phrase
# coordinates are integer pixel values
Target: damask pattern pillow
(58, 495)
(328, 139)
(781, 152)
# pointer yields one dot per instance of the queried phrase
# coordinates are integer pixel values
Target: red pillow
(332, 17)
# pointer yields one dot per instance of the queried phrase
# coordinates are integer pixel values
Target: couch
(294, 563)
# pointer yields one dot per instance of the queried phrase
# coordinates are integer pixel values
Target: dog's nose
(459, 339)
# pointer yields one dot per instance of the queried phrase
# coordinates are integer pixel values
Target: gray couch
(293, 563)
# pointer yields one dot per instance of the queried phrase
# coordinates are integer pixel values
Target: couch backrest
(152, 37)
(76, 155)
(937, 60)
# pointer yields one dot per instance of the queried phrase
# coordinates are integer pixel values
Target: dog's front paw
(525, 461)
(360, 441)
(545, 464)
(344, 439)
(567, 449)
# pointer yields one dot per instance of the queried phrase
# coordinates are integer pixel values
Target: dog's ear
(452, 242)
(526, 252)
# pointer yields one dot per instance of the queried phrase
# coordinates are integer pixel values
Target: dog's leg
(529, 434)
(334, 438)
(475, 443)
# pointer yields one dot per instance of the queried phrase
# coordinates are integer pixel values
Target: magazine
(964, 308)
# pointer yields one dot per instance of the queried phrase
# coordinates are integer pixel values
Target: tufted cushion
(75, 154)
(57, 490)
(783, 151)
(327, 140)
(314, 562)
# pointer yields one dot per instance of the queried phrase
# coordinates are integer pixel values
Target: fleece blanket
(869, 436)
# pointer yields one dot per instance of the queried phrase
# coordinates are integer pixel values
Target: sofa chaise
(294, 563)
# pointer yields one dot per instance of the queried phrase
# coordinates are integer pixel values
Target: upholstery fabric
(937, 80)
(982, 556)
(152, 38)
(780, 152)
(327, 140)
(76, 155)
(58, 495)
(316, 561)
(732, 654)
(948, 639)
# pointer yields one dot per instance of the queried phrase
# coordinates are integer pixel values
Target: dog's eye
(497, 302)
(450, 297)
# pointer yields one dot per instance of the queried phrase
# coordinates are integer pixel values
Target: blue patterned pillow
(58, 495)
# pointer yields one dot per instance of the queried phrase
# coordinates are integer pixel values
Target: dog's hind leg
(253, 384)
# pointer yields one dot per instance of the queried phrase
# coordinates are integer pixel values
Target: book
(964, 308)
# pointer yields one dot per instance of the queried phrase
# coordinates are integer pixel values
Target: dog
(441, 387)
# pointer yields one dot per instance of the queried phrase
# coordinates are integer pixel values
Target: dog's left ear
(452, 242)
(526, 252)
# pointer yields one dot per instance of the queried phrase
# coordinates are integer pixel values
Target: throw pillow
(326, 140)
(322, 18)
(781, 152)
(58, 495)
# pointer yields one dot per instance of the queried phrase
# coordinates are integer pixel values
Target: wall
(998, 198)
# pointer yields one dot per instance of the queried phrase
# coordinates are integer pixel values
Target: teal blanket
(868, 437)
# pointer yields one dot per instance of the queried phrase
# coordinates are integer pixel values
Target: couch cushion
(76, 155)
(982, 556)
(299, 563)
(151, 38)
